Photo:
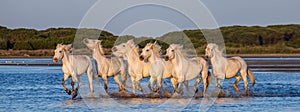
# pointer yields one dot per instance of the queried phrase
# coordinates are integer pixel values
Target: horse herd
(149, 63)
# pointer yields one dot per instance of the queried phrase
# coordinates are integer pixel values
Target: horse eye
(172, 50)
(147, 50)
(123, 45)
(59, 51)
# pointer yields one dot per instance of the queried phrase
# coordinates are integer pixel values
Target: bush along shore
(282, 40)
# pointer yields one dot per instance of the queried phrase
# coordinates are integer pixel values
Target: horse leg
(123, 77)
(238, 78)
(243, 74)
(133, 84)
(150, 84)
(121, 86)
(218, 85)
(63, 84)
(75, 91)
(105, 82)
(90, 78)
(159, 86)
(186, 85)
(174, 83)
(198, 80)
(180, 87)
(206, 80)
(139, 77)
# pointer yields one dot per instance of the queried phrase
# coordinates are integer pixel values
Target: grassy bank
(47, 53)
(274, 39)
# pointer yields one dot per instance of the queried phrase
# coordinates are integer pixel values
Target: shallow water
(39, 89)
(49, 60)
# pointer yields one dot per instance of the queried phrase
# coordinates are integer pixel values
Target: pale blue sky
(42, 14)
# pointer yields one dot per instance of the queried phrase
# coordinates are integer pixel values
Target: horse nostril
(141, 58)
(114, 49)
(54, 60)
(166, 58)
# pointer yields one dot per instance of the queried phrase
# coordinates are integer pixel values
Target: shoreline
(254, 65)
(228, 55)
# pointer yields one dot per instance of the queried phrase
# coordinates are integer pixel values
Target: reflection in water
(39, 88)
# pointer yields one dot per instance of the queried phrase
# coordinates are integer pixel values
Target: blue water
(49, 60)
(39, 89)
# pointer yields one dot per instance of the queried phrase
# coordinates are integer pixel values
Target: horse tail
(208, 78)
(251, 77)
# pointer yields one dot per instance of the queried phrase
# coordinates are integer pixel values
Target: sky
(147, 20)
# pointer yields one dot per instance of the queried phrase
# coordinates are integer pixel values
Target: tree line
(238, 39)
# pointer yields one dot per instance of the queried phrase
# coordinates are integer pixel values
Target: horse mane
(67, 48)
(178, 48)
(155, 47)
(132, 45)
(216, 48)
(99, 47)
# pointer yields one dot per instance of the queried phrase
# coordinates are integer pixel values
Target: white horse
(137, 69)
(185, 69)
(73, 66)
(107, 67)
(154, 52)
(158, 67)
(228, 67)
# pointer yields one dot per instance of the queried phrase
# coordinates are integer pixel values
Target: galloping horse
(107, 67)
(228, 67)
(73, 66)
(137, 69)
(158, 68)
(154, 50)
(185, 69)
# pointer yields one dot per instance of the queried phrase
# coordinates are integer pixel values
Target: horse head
(171, 51)
(211, 50)
(147, 52)
(94, 44)
(59, 51)
(122, 49)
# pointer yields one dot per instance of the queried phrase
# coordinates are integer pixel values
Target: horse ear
(151, 46)
(180, 46)
(70, 45)
(131, 42)
(155, 42)
(58, 45)
(98, 41)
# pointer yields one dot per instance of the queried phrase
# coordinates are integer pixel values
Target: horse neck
(132, 55)
(100, 58)
(218, 57)
(153, 57)
(65, 59)
(156, 52)
(178, 59)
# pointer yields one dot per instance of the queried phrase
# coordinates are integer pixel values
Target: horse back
(234, 65)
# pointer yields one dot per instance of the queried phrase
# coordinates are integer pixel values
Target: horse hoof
(68, 92)
(74, 94)
(91, 95)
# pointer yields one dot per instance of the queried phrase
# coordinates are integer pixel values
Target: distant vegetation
(238, 39)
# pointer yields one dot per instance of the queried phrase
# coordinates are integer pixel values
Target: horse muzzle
(141, 58)
(114, 49)
(166, 58)
(54, 60)
(206, 57)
